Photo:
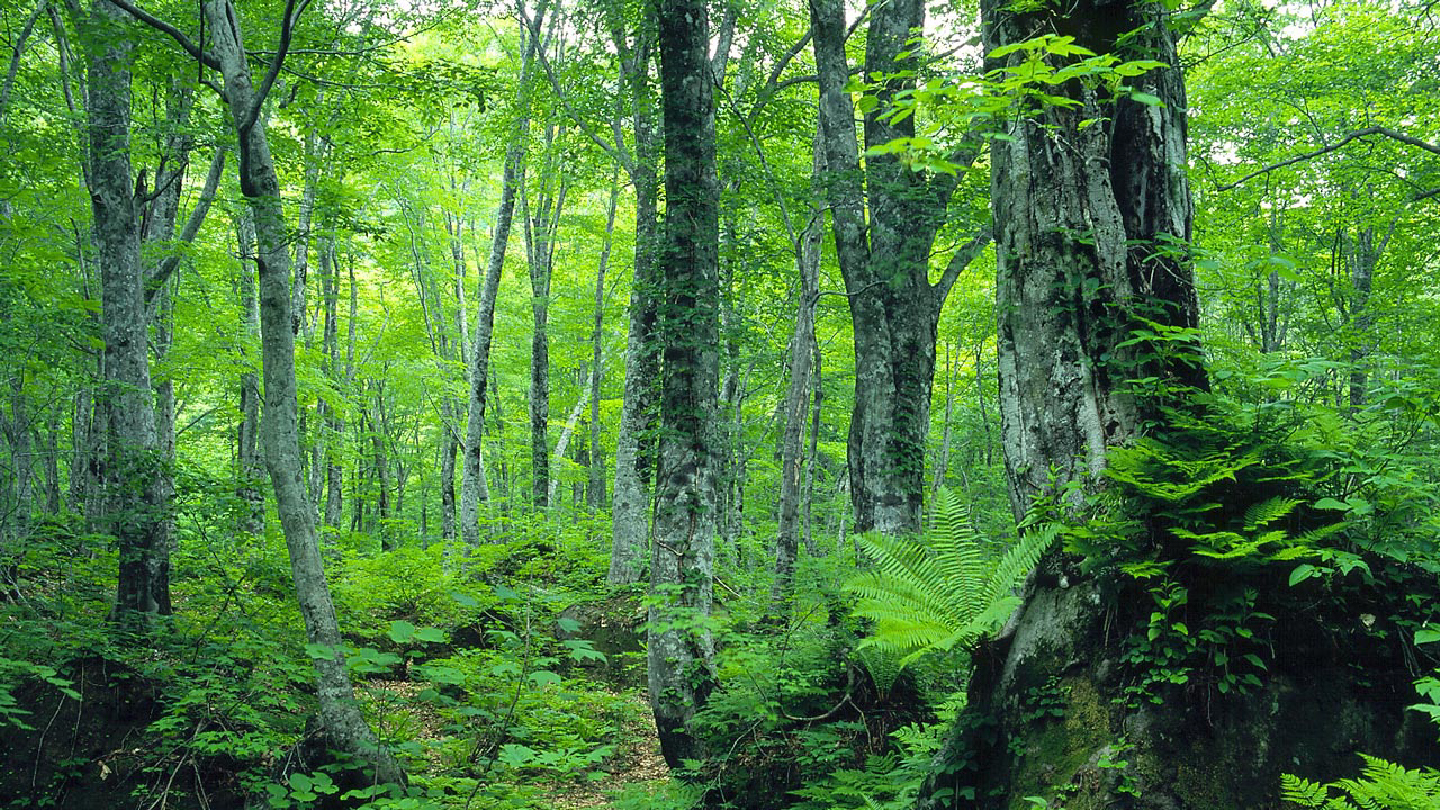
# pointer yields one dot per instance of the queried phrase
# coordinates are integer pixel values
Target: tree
(136, 492)
(339, 718)
(472, 481)
(1105, 398)
(679, 647)
(885, 218)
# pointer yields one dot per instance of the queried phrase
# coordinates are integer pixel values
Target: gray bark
(135, 493)
(595, 489)
(630, 532)
(679, 647)
(788, 530)
(339, 718)
(541, 227)
(885, 260)
(249, 466)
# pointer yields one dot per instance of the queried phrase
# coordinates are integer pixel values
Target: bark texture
(679, 647)
(134, 481)
(1092, 229)
(339, 720)
(630, 534)
(885, 219)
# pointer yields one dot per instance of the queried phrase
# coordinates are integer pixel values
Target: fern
(1382, 785)
(943, 591)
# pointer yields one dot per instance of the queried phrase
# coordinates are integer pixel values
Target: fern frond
(1268, 511)
(944, 591)
(1303, 792)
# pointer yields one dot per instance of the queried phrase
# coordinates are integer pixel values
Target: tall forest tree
(340, 721)
(885, 218)
(1103, 392)
(134, 480)
(678, 643)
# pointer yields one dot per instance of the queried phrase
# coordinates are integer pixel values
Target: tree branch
(293, 10)
(1360, 133)
(192, 226)
(962, 259)
(174, 33)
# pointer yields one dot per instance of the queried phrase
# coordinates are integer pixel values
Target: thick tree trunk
(630, 507)
(136, 503)
(340, 718)
(885, 259)
(679, 647)
(1092, 216)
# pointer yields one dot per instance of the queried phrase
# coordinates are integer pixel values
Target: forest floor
(637, 761)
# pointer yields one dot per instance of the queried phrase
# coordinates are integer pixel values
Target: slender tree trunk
(472, 482)
(136, 504)
(595, 490)
(339, 718)
(681, 569)
(788, 531)
(541, 226)
(249, 466)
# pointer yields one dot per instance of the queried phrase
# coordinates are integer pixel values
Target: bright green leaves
(402, 632)
(1039, 75)
(944, 591)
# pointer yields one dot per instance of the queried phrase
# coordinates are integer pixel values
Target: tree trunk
(595, 470)
(136, 503)
(630, 532)
(249, 464)
(541, 226)
(679, 646)
(1092, 214)
(787, 539)
(885, 259)
(472, 481)
(339, 718)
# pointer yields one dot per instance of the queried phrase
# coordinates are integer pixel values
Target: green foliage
(945, 591)
(1381, 786)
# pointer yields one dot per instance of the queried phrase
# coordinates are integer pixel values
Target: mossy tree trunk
(678, 642)
(1077, 701)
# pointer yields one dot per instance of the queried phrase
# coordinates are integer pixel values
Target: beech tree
(678, 643)
(1101, 371)
(885, 218)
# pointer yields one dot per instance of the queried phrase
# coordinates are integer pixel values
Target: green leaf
(319, 652)
(401, 632)
(432, 635)
(1427, 635)
(1302, 573)
(1146, 98)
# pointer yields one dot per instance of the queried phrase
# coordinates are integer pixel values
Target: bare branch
(192, 225)
(1360, 133)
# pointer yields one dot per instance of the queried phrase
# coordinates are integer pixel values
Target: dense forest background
(666, 404)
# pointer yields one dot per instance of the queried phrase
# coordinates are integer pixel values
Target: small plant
(945, 591)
